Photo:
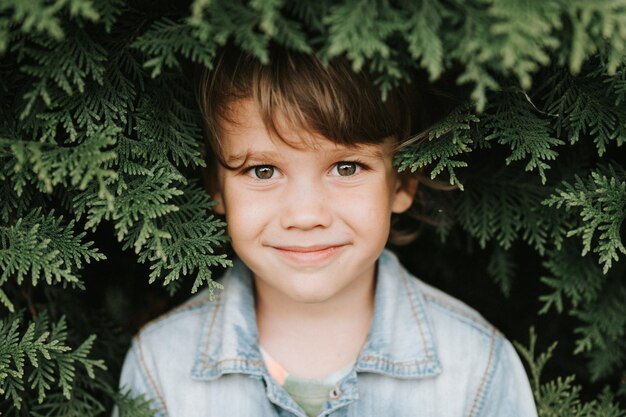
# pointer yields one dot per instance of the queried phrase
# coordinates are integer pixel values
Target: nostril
(305, 212)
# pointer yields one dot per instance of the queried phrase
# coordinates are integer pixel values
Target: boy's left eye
(262, 172)
(346, 168)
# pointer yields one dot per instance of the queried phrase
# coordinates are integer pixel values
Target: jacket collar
(400, 342)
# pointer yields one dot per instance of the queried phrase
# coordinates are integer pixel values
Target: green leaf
(599, 200)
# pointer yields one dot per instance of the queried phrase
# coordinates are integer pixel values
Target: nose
(305, 206)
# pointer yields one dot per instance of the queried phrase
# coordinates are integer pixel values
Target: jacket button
(335, 393)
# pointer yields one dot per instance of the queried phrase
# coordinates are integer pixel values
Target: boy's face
(309, 222)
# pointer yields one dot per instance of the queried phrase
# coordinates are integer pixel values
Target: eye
(262, 172)
(346, 168)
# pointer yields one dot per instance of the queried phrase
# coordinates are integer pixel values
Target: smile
(309, 254)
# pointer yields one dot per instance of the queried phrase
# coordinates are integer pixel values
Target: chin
(312, 295)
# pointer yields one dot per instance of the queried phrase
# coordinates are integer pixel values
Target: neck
(315, 339)
(353, 304)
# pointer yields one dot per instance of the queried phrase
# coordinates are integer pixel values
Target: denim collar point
(229, 338)
(401, 343)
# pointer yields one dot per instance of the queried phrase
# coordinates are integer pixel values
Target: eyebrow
(373, 152)
(245, 156)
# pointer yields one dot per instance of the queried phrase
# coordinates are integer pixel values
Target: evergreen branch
(198, 8)
(603, 362)
(600, 202)
(16, 199)
(66, 64)
(604, 325)
(166, 134)
(80, 116)
(289, 33)
(41, 16)
(617, 85)
(513, 122)
(133, 406)
(218, 20)
(536, 364)
(502, 208)
(390, 71)
(586, 108)
(517, 37)
(523, 33)
(421, 32)
(39, 244)
(578, 278)
(193, 234)
(310, 12)
(143, 192)
(243, 24)
(560, 397)
(85, 399)
(469, 44)
(46, 350)
(167, 38)
(269, 11)
(80, 404)
(75, 166)
(596, 300)
(109, 11)
(596, 26)
(360, 30)
(501, 268)
(448, 139)
(143, 199)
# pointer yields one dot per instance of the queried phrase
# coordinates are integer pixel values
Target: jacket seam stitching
(146, 328)
(415, 315)
(210, 331)
(395, 363)
(485, 326)
(236, 360)
(150, 378)
(483, 381)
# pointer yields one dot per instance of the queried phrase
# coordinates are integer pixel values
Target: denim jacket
(427, 354)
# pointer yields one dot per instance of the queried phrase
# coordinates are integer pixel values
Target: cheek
(245, 213)
(369, 209)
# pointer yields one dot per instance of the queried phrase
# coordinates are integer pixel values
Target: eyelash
(363, 166)
(358, 163)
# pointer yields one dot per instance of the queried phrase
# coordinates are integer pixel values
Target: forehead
(244, 132)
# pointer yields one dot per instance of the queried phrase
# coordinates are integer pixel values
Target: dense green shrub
(99, 155)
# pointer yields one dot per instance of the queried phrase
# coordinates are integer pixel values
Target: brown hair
(329, 99)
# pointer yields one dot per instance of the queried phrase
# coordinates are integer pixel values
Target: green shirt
(308, 393)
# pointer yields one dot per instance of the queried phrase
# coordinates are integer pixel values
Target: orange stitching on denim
(413, 309)
(175, 310)
(237, 360)
(394, 363)
(150, 379)
(216, 310)
(484, 378)
(449, 306)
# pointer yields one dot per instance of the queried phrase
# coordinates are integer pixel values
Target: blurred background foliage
(104, 223)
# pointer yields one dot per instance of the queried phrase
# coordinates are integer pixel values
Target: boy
(316, 317)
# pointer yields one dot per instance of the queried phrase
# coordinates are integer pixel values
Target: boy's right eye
(262, 172)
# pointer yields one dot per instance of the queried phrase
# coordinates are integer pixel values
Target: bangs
(299, 91)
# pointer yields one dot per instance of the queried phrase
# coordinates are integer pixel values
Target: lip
(309, 254)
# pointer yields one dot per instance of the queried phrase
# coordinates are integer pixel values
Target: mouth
(309, 254)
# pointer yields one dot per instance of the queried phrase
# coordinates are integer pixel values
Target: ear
(406, 187)
(219, 207)
(211, 182)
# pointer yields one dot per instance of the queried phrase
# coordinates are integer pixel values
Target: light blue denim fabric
(427, 354)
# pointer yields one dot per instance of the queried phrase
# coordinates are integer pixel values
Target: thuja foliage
(561, 397)
(100, 137)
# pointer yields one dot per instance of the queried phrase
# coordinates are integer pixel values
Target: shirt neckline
(400, 342)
